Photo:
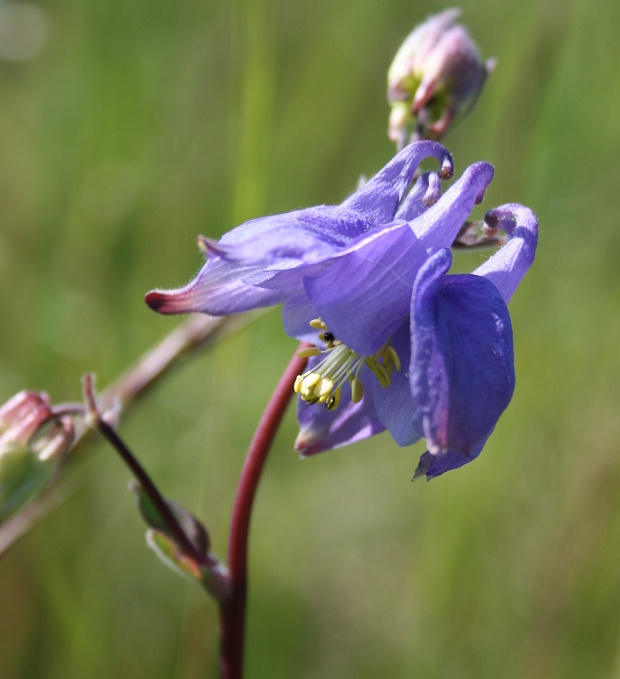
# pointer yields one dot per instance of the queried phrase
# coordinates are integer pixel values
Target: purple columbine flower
(400, 344)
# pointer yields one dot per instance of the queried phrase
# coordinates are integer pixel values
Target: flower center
(323, 383)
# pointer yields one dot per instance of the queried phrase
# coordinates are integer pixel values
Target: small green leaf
(168, 552)
(191, 526)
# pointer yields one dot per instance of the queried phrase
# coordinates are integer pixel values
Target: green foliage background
(143, 123)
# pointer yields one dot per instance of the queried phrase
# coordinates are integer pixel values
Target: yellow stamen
(357, 390)
(309, 381)
(394, 356)
(333, 401)
(308, 352)
(323, 382)
(382, 374)
(297, 384)
(324, 389)
(317, 324)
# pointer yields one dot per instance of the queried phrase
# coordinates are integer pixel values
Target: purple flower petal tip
(447, 167)
(306, 445)
(210, 247)
(321, 429)
(162, 302)
(433, 466)
(185, 300)
(507, 266)
(381, 196)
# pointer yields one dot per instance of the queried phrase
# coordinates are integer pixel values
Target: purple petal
(366, 292)
(321, 429)
(310, 235)
(286, 277)
(307, 235)
(462, 372)
(374, 275)
(218, 290)
(296, 316)
(380, 197)
(440, 224)
(433, 466)
(508, 265)
(396, 408)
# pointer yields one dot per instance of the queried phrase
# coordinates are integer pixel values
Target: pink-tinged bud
(32, 441)
(436, 76)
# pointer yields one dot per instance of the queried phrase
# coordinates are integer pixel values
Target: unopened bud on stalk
(436, 77)
(31, 443)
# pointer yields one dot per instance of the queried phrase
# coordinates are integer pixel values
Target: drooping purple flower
(433, 351)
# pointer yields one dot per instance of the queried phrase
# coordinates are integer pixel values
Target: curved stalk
(232, 611)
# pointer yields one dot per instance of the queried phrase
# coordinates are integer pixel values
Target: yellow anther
(317, 324)
(297, 384)
(395, 358)
(387, 361)
(323, 383)
(307, 385)
(382, 374)
(308, 352)
(324, 389)
(311, 380)
(334, 400)
(357, 390)
(379, 371)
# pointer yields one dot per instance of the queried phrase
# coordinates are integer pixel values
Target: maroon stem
(152, 492)
(159, 502)
(232, 611)
(197, 332)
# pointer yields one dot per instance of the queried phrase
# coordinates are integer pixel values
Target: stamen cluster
(323, 383)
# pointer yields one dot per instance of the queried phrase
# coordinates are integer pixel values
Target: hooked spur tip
(492, 219)
(499, 219)
(447, 167)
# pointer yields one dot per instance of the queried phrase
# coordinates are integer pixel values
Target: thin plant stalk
(232, 611)
(183, 341)
(141, 476)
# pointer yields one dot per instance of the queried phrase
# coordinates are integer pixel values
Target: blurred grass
(141, 124)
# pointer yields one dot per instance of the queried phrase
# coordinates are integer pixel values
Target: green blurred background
(129, 126)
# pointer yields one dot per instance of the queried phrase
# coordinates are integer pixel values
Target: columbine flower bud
(31, 442)
(436, 76)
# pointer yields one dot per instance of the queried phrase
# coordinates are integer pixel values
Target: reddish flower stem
(232, 611)
(197, 332)
(159, 502)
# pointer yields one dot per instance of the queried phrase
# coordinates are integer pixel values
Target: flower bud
(436, 76)
(31, 442)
